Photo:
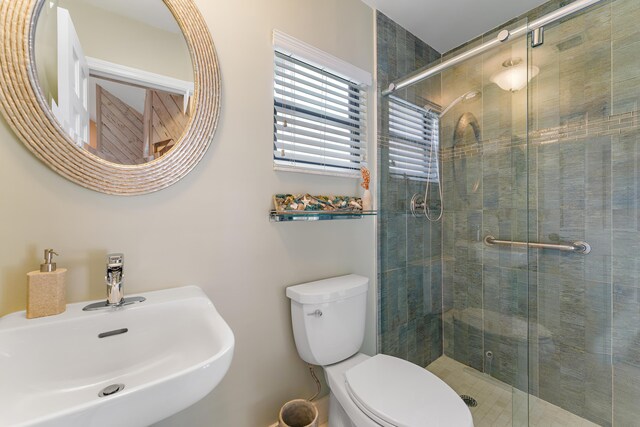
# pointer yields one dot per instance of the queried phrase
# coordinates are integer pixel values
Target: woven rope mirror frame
(24, 108)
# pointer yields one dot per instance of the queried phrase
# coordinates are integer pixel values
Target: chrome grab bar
(577, 247)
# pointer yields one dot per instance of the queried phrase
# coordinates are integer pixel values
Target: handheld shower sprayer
(418, 202)
(464, 97)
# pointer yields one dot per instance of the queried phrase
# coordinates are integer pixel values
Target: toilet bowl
(328, 318)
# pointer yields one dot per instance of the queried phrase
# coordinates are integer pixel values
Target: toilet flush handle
(317, 313)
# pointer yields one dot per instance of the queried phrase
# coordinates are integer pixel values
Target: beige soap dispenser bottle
(46, 291)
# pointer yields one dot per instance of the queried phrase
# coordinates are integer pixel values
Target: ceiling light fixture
(514, 76)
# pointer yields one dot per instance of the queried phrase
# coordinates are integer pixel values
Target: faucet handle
(115, 260)
(115, 269)
(115, 279)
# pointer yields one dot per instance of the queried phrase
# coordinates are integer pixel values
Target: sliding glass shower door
(584, 177)
(484, 176)
(518, 278)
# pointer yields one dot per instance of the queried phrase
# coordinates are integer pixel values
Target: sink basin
(175, 350)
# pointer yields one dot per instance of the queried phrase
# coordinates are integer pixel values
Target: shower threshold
(495, 399)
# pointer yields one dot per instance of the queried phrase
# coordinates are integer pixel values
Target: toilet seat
(397, 393)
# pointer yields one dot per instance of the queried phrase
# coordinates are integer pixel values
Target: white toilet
(328, 319)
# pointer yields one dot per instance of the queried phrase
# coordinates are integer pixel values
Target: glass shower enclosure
(509, 226)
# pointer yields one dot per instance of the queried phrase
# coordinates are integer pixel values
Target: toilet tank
(328, 318)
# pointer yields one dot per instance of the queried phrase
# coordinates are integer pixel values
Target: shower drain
(469, 401)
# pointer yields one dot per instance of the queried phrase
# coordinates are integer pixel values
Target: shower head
(471, 94)
(464, 97)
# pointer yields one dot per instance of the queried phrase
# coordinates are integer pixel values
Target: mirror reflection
(116, 74)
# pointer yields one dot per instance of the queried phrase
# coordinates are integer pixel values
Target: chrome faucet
(115, 286)
(115, 279)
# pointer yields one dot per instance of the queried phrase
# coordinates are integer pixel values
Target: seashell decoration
(309, 203)
(366, 177)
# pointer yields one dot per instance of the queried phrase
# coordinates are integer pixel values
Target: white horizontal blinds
(413, 141)
(319, 121)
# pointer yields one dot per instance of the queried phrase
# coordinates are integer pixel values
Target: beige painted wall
(211, 228)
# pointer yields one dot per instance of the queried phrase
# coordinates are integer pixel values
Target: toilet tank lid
(327, 290)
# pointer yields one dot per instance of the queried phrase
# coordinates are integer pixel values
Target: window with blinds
(413, 141)
(319, 119)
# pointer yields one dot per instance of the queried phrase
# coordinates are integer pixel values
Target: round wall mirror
(121, 97)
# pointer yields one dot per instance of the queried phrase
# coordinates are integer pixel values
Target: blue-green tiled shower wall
(558, 161)
(410, 268)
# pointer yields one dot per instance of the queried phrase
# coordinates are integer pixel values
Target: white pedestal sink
(175, 350)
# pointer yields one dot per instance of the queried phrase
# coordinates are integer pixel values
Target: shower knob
(417, 205)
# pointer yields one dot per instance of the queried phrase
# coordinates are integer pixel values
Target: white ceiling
(445, 24)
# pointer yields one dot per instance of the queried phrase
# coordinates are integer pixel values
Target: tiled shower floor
(495, 399)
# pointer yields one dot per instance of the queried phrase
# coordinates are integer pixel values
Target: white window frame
(290, 51)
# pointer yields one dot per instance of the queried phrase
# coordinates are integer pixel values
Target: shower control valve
(417, 205)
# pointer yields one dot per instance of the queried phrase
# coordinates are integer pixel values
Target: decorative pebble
(307, 202)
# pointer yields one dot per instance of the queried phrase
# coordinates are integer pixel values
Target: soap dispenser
(46, 291)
